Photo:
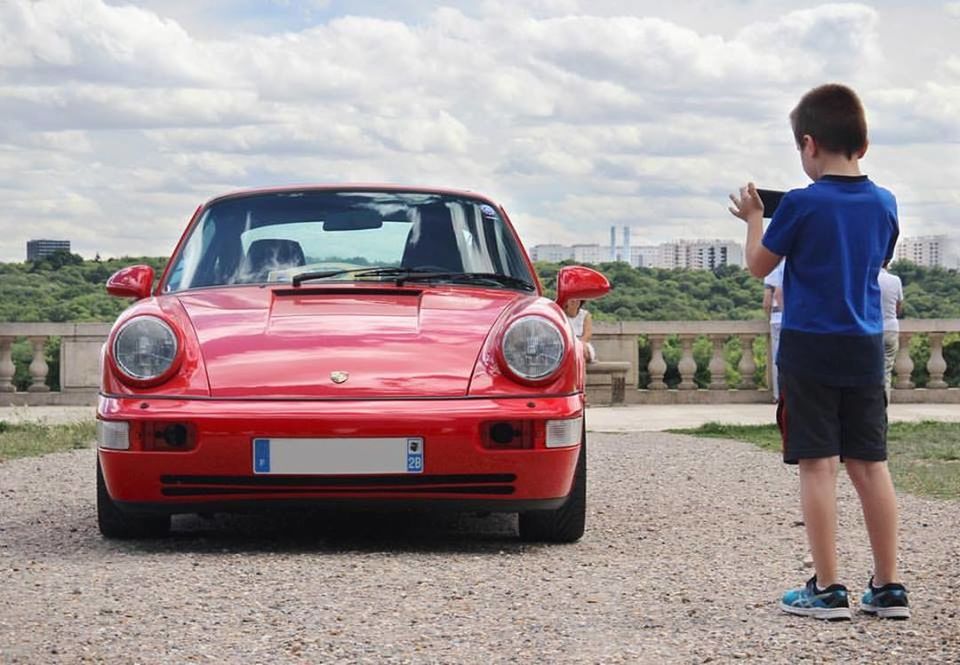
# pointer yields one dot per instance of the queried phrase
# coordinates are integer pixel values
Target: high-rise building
(927, 251)
(588, 254)
(686, 254)
(625, 254)
(613, 243)
(37, 250)
(552, 253)
(644, 256)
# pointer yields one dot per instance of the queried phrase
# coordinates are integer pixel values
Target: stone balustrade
(79, 363)
(620, 342)
(617, 344)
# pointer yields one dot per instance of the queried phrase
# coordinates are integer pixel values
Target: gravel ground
(689, 543)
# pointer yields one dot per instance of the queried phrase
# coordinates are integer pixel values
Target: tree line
(64, 287)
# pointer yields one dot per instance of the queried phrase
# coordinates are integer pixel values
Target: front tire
(566, 524)
(118, 525)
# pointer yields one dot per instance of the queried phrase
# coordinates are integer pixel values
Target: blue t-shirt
(836, 234)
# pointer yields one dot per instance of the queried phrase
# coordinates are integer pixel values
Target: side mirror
(132, 282)
(579, 283)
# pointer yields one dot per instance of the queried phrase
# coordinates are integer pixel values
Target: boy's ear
(809, 144)
(863, 150)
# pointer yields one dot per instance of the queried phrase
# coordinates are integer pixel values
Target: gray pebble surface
(689, 544)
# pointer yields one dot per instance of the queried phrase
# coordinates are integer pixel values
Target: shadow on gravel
(336, 533)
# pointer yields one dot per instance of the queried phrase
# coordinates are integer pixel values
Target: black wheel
(566, 523)
(114, 523)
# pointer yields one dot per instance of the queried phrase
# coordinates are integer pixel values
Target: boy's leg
(864, 449)
(807, 416)
(879, 502)
(818, 498)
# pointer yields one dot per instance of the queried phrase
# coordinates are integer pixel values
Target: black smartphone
(771, 199)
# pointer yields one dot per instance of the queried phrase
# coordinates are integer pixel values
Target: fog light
(165, 436)
(113, 434)
(563, 433)
(509, 435)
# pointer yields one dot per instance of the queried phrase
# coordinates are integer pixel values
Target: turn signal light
(164, 436)
(513, 434)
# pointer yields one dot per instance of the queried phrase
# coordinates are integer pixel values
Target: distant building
(711, 254)
(552, 253)
(589, 254)
(927, 251)
(37, 250)
(644, 256)
(686, 254)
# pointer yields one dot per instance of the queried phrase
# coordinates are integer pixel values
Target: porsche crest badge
(339, 377)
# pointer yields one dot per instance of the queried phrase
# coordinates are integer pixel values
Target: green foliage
(63, 287)
(731, 293)
(924, 456)
(32, 439)
(928, 293)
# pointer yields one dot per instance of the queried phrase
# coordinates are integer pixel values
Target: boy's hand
(748, 205)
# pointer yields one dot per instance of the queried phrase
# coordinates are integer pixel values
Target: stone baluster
(747, 365)
(903, 364)
(38, 366)
(687, 365)
(718, 364)
(7, 368)
(657, 366)
(936, 365)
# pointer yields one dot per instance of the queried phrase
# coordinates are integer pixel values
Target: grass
(924, 457)
(32, 439)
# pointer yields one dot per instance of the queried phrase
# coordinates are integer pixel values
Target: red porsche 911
(344, 346)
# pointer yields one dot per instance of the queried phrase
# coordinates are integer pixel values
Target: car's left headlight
(145, 348)
(533, 348)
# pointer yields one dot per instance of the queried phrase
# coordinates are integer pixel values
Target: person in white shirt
(773, 306)
(582, 324)
(891, 298)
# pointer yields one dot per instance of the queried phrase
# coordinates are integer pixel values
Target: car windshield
(347, 235)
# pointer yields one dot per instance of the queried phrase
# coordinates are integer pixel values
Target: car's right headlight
(533, 348)
(145, 348)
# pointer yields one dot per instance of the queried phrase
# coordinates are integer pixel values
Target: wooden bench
(607, 382)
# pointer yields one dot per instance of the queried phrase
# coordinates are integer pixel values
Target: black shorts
(818, 420)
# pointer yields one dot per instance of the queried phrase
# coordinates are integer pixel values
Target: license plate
(337, 456)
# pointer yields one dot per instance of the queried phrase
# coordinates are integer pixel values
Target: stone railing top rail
(742, 327)
(22, 329)
(17, 329)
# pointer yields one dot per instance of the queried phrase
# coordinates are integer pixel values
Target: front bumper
(458, 471)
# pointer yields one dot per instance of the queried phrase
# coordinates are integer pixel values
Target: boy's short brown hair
(833, 115)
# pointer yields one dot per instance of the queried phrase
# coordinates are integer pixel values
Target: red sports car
(344, 346)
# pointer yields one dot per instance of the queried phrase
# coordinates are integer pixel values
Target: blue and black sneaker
(887, 602)
(831, 603)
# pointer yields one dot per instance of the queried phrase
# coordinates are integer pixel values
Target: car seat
(268, 254)
(432, 242)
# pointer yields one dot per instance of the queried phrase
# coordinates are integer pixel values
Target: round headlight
(145, 348)
(533, 347)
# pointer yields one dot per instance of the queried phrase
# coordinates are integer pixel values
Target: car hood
(347, 342)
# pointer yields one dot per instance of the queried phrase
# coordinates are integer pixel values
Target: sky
(118, 119)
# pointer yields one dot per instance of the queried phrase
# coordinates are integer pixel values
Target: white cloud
(578, 115)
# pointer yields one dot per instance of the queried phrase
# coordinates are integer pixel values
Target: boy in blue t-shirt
(836, 234)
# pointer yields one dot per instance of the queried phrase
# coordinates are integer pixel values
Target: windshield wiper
(386, 271)
(475, 278)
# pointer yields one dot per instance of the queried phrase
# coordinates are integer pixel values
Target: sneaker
(831, 603)
(887, 602)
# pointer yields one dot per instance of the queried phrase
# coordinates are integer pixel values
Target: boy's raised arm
(749, 208)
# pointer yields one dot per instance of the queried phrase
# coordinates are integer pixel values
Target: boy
(835, 235)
